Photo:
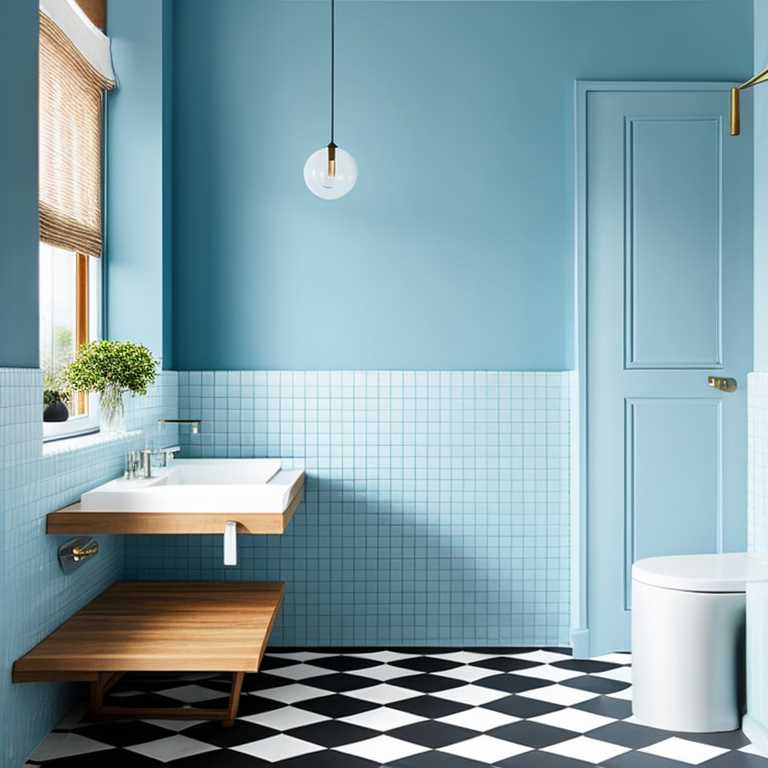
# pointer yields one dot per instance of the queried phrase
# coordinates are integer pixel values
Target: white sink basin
(202, 485)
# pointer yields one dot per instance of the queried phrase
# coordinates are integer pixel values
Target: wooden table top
(159, 627)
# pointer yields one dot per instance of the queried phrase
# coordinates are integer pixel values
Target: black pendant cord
(333, 68)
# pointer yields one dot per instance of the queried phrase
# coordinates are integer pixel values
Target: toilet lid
(703, 573)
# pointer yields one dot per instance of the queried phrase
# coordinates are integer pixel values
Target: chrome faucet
(194, 423)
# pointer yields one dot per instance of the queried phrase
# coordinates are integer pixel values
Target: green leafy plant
(111, 368)
(54, 388)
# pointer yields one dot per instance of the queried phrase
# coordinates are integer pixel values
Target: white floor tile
(288, 694)
(573, 720)
(615, 658)
(174, 725)
(382, 719)
(466, 673)
(751, 749)
(383, 672)
(383, 693)
(546, 672)
(463, 657)
(172, 748)
(386, 657)
(543, 657)
(285, 718)
(302, 655)
(277, 748)
(485, 749)
(57, 745)
(191, 694)
(622, 674)
(587, 749)
(559, 694)
(684, 751)
(625, 694)
(478, 719)
(300, 671)
(384, 748)
(474, 695)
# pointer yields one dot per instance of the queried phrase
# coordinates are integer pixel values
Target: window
(70, 315)
(75, 72)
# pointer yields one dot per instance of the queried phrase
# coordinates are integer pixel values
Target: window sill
(91, 440)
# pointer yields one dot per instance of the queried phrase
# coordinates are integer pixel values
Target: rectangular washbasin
(202, 485)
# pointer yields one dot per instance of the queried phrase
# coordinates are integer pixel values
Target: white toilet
(688, 618)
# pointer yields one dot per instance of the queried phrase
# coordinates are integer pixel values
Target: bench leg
(234, 698)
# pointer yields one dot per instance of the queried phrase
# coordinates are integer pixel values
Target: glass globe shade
(330, 187)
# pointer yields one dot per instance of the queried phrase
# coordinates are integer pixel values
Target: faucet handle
(167, 454)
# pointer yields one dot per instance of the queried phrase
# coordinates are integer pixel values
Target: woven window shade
(71, 117)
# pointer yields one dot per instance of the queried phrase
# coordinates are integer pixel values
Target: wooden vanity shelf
(159, 627)
(73, 520)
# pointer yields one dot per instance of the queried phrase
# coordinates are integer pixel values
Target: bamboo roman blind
(71, 122)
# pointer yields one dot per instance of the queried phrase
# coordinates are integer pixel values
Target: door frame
(580, 637)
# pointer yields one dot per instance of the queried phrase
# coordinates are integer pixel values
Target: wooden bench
(159, 627)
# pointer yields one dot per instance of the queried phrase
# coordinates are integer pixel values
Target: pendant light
(331, 172)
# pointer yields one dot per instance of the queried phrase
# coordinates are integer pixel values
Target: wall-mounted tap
(194, 423)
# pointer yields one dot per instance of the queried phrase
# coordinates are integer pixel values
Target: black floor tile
(520, 706)
(263, 680)
(595, 684)
(535, 735)
(344, 663)
(327, 759)
(427, 683)
(737, 760)
(426, 664)
(642, 760)
(503, 664)
(436, 760)
(629, 735)
(122, 733)
(332, 733)
(114, 758)
(585, 665)
(604, 705)
(338, 682)
(542, 760)
(336, 705)
(429, 706)
(224, 758)
(241, 732)
(432, 734)
(511, 683)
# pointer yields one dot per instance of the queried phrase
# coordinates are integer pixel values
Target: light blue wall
(18, 184)
(436, 508)
(36, 597)
(756, 722)
(761, 190)
(138, 195)
(456, 248)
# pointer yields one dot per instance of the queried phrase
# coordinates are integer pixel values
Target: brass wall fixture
(75, 552)
(761, 77)
(721, 383)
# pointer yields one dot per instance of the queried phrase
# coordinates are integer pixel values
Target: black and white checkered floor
(406, 708)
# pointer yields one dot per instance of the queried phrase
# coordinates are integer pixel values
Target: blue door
(668, 256)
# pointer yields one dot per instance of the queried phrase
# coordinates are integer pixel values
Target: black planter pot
(56, 411)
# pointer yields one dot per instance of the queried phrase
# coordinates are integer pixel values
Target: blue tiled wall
(436, 506)
(36, 596)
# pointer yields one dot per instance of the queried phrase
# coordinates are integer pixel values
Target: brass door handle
(723, 384)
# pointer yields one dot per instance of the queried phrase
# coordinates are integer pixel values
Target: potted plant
(112, 368)
(55, 398)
